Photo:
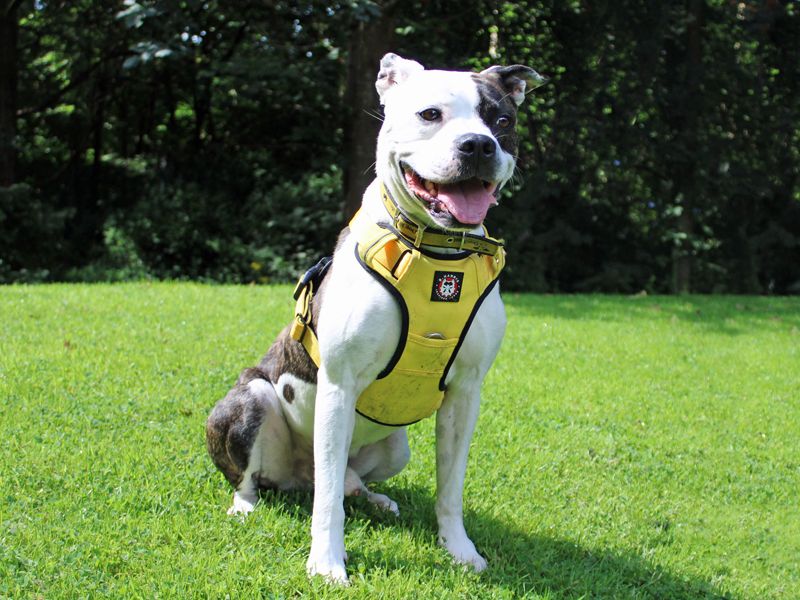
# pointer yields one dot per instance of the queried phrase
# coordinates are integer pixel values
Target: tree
(176, 138)
(9, 26)
(371, 35)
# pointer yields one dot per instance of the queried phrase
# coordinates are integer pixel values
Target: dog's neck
(374, 209)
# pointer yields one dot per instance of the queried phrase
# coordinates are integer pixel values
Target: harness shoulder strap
(302, 328)
(382, 253)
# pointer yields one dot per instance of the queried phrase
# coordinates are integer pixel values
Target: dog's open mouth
(467, 201)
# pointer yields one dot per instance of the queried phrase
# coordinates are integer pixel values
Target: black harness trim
(464, 331)
(401, 344)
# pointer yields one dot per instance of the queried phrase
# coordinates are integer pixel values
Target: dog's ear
(516, 79)
(394, 69)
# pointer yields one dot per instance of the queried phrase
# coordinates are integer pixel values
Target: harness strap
(419, 235)
(302, 329)
(301, 326)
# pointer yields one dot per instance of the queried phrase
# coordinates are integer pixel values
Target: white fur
(299, 412)
(427, 147)
(271, 456)
(359, 328)
(299, 415)
(360, 324)
(394, 70)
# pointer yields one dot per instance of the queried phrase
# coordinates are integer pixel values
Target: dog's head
(448, 143)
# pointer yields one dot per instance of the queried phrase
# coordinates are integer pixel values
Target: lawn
(628, 447)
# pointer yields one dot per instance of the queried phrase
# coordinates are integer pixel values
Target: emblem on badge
(446, 286)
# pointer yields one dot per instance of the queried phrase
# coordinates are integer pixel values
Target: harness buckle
(299, 327)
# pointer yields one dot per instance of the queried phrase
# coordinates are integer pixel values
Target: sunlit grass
(627, 448)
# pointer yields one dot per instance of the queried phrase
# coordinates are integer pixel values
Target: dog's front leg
(455, 422)
(334, 419)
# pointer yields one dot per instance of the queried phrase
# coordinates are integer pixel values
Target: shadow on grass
(723, 314)
(519, 563)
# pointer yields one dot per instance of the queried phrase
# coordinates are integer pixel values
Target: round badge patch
(446, 286)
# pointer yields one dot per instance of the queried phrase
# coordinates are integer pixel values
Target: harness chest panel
(438, 296)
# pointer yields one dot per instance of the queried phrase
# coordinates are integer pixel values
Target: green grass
(627, 448)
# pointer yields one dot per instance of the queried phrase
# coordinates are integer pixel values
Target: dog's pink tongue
(468, 201)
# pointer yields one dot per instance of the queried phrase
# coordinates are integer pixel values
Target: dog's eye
(430, 114)
(503, 122)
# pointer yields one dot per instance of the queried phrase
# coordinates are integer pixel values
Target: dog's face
(448, 143)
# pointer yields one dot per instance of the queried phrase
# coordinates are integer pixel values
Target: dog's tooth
(430, 186)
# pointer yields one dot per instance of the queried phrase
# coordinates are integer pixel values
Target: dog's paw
(327, 565)
(463, 552)
(384, 502)
(243, 504)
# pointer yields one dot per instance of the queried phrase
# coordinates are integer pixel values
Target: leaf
(132, 62)
(135, 15)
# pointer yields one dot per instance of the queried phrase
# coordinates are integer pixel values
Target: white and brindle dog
(446, 147)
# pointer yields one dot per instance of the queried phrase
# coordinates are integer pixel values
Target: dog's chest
(438, 296)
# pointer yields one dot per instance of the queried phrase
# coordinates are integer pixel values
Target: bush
(184, 231)
(31, 235)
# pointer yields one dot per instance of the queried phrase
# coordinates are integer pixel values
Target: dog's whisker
(374, 114)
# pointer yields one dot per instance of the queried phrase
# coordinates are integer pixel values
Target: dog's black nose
(475, 144)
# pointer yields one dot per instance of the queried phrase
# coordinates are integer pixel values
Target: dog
(369, 352)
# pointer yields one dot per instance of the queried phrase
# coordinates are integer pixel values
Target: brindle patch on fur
(287, 355)
(264, 483)
(234, 422)
(251, 374)
(495, 102)
(288, 393)
(232, 427)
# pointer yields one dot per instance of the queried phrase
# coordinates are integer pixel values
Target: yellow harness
(438, 294)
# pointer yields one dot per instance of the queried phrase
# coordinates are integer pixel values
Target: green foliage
(663, 155)
(30, 234)
(121, 260)
(641, 153)
(674, 474)
(190, 231)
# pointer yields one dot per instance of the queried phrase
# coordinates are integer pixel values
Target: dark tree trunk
(98, 122)
(687, 173)
(682, 254)
(9, 26)
(125, 131)
(370, 40)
